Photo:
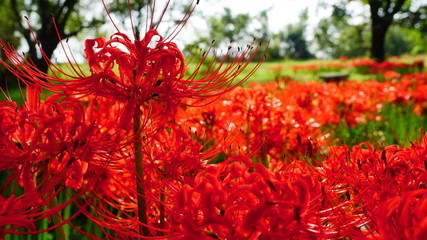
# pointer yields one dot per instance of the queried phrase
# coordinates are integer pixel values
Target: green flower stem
(67, 212)
(141, 202)
(56, 218)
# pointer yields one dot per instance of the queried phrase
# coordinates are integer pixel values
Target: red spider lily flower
(236, 199)
(58, 147)
(287, 119)
(175, 160)
(143, 80)
(53, 133)
(53, 140)
(14, 214)
(276, 68)
(139, 71)
(389, 184)
(403, 217)
(391, 75)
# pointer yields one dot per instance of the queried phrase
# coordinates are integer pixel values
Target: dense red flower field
(137, 149)
(281, 191)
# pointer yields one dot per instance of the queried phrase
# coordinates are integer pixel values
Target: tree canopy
(48, 22)
(43, 23)
(382, 16)
(392, 27)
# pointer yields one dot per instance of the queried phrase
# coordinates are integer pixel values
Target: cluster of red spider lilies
(283, 117)
(136, 149)
(364, 66)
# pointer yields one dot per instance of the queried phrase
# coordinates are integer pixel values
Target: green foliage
(415, 19)
(295, 41)
(397, 42)
(8, 35)
(296, 45)
(229, 28)
(49, 21)
(291, 42)
(402, 40)
(121, 8)
(276, 49)
(336, 36)
(235, 30)
(7, 27)
(399, 125)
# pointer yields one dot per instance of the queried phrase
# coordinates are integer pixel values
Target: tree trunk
(47, 33)
(382, 14)
(379, 31)
(49, 44)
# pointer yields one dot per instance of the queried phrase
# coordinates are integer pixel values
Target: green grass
(14, 93)
(266, 73)
(399, 126)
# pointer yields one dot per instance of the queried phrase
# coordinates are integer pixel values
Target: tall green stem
(141, 202)
(56, 218)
